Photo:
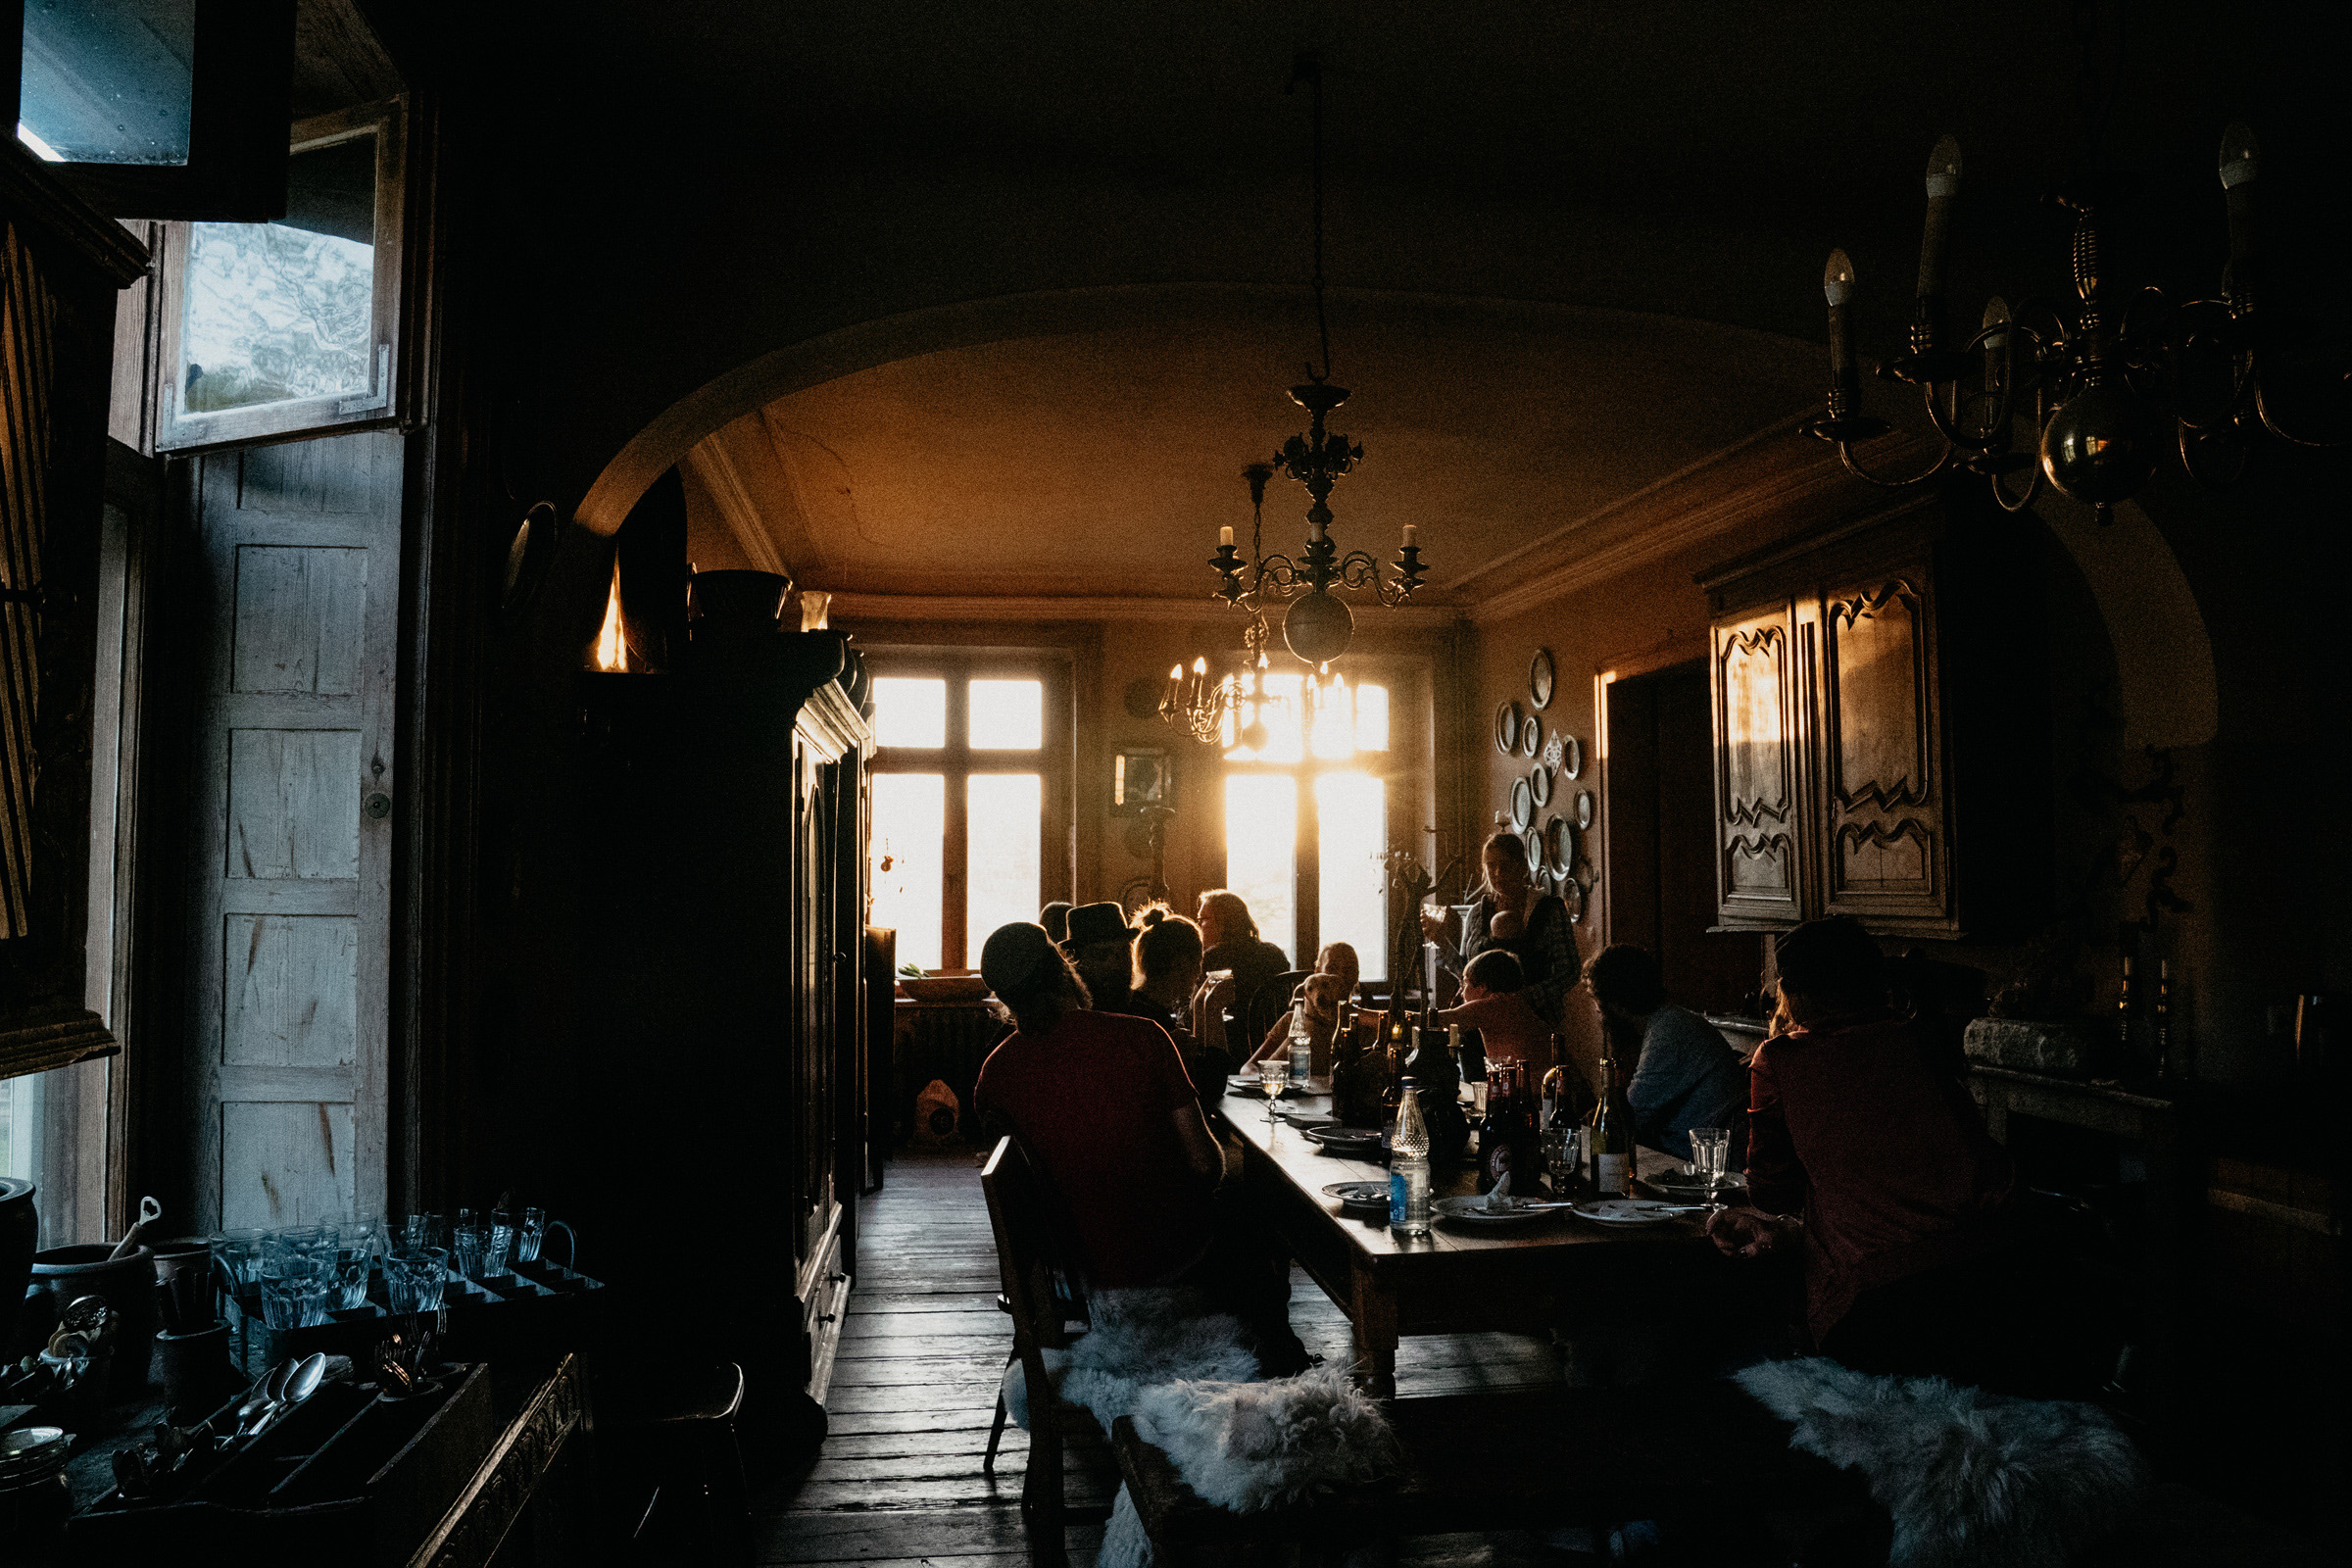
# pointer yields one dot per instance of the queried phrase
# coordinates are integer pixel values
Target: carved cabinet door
(1885, 852)
(1754, 688)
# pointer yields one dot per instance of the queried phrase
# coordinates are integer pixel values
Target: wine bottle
(2122, 1008)
(1611, 1138)
(1496, 1144)
(1392, 1090)
(1303, 1047)
(1408, 1166)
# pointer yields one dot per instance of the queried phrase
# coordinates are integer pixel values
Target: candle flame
(612, 654)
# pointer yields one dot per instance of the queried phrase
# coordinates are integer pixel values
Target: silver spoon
(301, 1386)
(266, 1394)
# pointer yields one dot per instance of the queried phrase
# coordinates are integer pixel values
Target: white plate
(1474, 1211)
(1258, 1090)
(1628, 1211)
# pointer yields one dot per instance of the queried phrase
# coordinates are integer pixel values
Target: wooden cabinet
(1836, 725)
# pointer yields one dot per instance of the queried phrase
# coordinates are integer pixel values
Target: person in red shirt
(1877, 1168)
(1103, 1106)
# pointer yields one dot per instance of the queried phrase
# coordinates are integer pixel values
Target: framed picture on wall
(1141, 776)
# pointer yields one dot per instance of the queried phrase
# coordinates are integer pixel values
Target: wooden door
(292, 795)
(1885, 846)
(1754, 685)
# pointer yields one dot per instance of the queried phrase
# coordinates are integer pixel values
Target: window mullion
(1310, 872)
(955, 853)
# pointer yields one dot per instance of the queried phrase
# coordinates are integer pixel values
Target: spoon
(308, 1375)
(264, 1398)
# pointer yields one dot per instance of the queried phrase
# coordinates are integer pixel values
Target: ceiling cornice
(849, 607)
(1769, 471)
(715, 466)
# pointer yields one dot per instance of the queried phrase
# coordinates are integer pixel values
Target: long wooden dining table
(1526, 1278)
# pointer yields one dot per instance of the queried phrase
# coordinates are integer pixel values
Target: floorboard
(900, 1484)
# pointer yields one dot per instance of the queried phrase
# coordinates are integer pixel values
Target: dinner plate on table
(1359, 1195)
(1304, 1121)
(1628, 1211)
(1474, 1211)
(1348, 1142)
(1691, 1189)
(1256, 1091)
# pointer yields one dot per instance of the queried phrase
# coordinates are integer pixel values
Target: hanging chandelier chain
(1314, 71)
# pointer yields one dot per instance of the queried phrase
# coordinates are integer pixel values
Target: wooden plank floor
(898, 1481)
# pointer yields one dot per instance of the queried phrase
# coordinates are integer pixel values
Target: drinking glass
(296, 1299)
(529, 1235)
(469, 1246)
(1710, 1150)
(415, 1279)
(240, 1253)
(419, 1232)
(499, 1256)
(1273, 1075)
(349, 1261)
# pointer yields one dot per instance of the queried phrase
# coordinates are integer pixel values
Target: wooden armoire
(722, 1080)
(1879, 689)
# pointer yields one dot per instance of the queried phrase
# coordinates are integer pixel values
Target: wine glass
(1273, 1075)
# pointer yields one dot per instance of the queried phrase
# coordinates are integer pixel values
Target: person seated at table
(1685, 1074)
(1320, 995)
(1168, 970)
(1104, 1107)
(1340, 971)
(1055, 919)
(1100, 946)
(1876, 1168)
(1239, 959)
(1495, 1004)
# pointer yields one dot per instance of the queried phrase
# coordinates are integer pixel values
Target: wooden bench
(1704, 1455)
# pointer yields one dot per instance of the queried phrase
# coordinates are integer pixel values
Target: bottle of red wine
(1611, 1137)
(1496, 1144)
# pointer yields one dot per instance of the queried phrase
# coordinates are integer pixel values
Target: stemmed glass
(1273, 1076)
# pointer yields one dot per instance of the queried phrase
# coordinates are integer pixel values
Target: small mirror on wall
(1141, 776)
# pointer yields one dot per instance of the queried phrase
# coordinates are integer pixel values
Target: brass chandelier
(2106, 375)
(1318, 625)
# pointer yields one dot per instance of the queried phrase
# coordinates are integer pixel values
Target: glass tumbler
(415, 1279)
(529, 1233)
(469, 1247)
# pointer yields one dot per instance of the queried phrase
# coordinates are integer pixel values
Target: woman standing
(1512, 913)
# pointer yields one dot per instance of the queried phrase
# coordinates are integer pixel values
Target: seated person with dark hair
(1100, 946)
(1685, 1074)
(1235, 953)
(1494, 1005)
(1877, 1166)
(1167, 968)
(1106, 1112)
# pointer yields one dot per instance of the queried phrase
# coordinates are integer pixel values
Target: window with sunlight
(1306, 814)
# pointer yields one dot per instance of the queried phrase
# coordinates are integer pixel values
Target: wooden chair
(1038, 1295)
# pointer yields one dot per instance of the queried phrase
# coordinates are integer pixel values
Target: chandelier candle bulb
(1224, 537)
(1410, 533)
(1943, 184)
(1837, 286)
(2242, 167)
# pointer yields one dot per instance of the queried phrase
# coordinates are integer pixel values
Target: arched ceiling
(1104, 461)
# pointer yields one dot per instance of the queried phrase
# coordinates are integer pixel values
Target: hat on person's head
(1017, 956)
(1832, 956)
(1091, 923)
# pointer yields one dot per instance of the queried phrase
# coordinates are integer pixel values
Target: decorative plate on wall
(1540, 781)
(1573, 894)
(1584, 807)
(1572, 757)
(1523, 805)
(1531, 737)
(1540, 680)
(1553, 750)
(1535, 854)
(1560, 846)
(1506, 728)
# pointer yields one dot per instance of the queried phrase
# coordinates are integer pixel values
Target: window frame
(1053, 761)
(180, 432)
(238, 92)
(1401, 768)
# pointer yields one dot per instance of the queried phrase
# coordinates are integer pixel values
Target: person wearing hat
(1104, 1109)
(1102, 948)
(1055, 919)
(1875, 1168)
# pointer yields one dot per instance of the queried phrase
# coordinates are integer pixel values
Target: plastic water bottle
(1408, 1166)
(1302, 1048)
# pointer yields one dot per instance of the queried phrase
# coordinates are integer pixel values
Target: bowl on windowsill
(944, 988)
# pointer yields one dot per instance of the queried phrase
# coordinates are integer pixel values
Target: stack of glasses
(301, 1273)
